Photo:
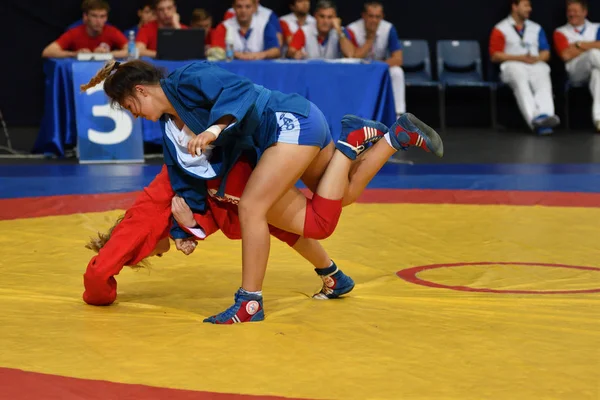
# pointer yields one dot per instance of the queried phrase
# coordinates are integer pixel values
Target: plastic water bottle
(371, 54)
(132, 50)
(229, 38)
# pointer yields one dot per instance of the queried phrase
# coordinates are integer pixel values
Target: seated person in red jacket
(166, 17)
(94, 35)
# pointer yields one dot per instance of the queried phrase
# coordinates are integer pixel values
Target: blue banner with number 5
(104, 134)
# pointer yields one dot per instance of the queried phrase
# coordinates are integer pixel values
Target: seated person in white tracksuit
(326, 40)
(521, 48)
(578, 44)
(262, 14)
(254, 38)
(299, 17)
(377, 39)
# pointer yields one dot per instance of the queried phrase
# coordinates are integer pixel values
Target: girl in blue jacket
(229, 113)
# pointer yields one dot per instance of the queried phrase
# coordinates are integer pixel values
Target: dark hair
(517, 2)
(120, 79)
(372, 4)
(200, 14)
(292, 2)
(325, 4)
(157, 2)
(90, 5)
(582, 3)
(146, 3)
(235, 1)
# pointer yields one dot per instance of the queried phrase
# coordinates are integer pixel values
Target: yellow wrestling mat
(390, 339)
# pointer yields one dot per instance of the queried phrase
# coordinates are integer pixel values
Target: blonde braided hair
(97, 243)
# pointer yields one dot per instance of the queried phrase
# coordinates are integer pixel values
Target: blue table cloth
(336, 88)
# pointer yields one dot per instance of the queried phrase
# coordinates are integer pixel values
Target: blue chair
(74, 25)
(459, 65)
(493, 72)
(568, 86)
(416, 62)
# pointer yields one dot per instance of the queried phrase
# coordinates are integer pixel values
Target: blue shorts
(305, 131)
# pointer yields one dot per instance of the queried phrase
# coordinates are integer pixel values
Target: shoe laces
(373, 139)
(231, 311)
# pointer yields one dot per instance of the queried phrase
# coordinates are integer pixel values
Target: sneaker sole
(323, 296)
(550, 122)
(437, 145)
(258, 317)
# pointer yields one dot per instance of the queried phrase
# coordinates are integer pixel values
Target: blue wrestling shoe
(545, 121)
(247, 308)
(335, 283)
(409, 131)
(357, 133)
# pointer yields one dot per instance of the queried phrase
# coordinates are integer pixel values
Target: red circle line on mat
(411, 275)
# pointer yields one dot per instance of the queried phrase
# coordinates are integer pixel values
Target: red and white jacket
(289, 24)
(568, 34)
(515, 40)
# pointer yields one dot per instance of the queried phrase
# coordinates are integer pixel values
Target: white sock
(389, 140)
(259, 293)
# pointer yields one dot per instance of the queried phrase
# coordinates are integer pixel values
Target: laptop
(180, 44)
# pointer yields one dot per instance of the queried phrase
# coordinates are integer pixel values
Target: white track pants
(397, 75)
(531, 86)
(587, 67)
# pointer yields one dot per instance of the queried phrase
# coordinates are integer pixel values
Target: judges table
(336, 88)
